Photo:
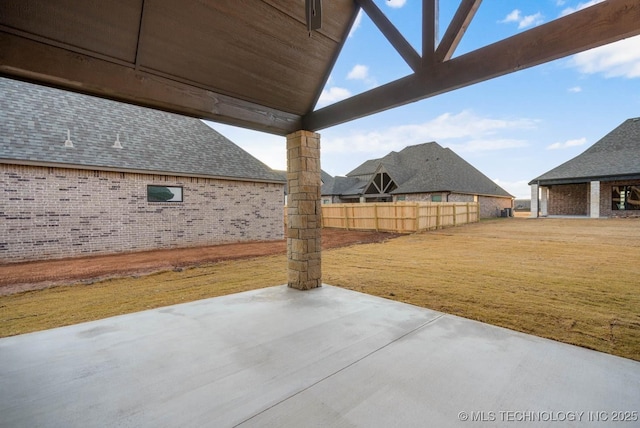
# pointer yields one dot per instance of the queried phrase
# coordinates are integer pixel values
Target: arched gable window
(381, 184)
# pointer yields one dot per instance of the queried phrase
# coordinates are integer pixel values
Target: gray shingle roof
(34, 121)
(344, 186)
(428, 167)
(615, 156)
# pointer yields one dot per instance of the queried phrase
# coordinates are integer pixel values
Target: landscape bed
(572, 280)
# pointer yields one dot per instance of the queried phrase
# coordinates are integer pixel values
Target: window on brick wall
(625, 197)
(164, 193)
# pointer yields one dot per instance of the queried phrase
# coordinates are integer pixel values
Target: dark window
(436, 198)
(164, 194)
(625, 198)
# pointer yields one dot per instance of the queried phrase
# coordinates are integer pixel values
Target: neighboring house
(604, 181)
(324, 177)
(82, 175)
(522, 205)
(424, 172)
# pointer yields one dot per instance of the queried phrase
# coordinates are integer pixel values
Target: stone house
(81, 175)
(603, 181)
(424, 172)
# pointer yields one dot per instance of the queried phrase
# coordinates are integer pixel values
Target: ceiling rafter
(397, 40)
(456, 29)
(429, 32)
(591, 27)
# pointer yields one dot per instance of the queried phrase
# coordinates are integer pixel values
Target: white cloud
(483, 145)
(396, 4)
(619, 59)
(447, 129)
(560, 2)
(523, 21)
(356, 23)
(580, 6)
(575, 89)
(531, 20)
(359, 72)
(513, 16)
(567, 144)
(332, 95)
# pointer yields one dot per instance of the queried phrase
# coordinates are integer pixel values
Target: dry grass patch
(66, 305)
(575, 281)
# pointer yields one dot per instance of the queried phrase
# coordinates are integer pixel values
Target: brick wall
(48, 213)
(569, 199)
(492, 207)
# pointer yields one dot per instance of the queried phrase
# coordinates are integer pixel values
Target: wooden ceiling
(253, 63)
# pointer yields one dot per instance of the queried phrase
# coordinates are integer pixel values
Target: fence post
(455, 215)
(468, 209)
(438, 214)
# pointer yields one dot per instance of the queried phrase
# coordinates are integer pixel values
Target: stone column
(534, 201)
(304, 210)
(544, 201)
(594, 201)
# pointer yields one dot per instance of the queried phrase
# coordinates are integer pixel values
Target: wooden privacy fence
(401, 217)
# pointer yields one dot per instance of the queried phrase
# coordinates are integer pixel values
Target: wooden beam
(31, 60)
(401, 45)
(594, 26)
(456, 29)
(429, 31)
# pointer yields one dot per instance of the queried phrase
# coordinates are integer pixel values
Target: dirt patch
(17, 277)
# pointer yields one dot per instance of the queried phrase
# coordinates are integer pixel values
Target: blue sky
(512, 128)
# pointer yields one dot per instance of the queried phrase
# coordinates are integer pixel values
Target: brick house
(424, 172)
(603, 181)
(81, 175)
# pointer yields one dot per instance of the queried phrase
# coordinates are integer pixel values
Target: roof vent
(116, 144)
(68, 142)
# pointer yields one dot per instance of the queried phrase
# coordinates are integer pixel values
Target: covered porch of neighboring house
(594, 199)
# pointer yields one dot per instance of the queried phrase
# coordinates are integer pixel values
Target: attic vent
(116, 144)
(68, 142)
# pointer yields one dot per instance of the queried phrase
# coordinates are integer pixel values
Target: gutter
(136, 171)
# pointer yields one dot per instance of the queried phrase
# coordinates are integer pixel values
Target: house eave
(133, 171)
(396, 193)
(580, 180)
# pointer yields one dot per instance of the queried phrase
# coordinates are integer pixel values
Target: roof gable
(36, 121)
(429, 167)
(616, 155)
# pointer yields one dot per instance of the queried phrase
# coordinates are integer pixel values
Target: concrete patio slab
(286, 358)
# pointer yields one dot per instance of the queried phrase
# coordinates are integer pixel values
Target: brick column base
(304, 210)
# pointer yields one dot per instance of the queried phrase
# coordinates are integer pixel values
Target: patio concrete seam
(342, 369)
